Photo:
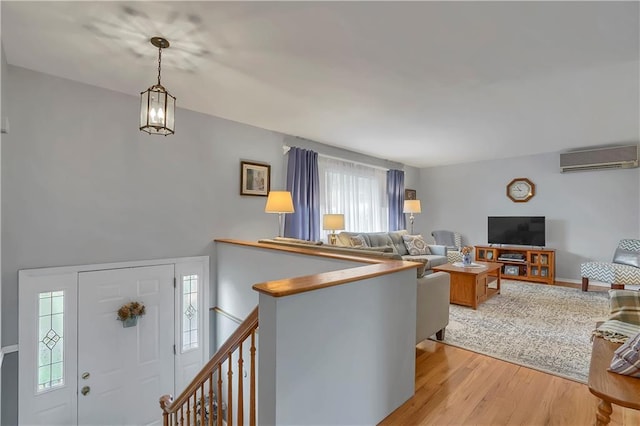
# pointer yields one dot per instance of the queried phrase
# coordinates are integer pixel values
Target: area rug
(543, 327)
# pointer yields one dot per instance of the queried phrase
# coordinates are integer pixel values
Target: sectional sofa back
(376, 240)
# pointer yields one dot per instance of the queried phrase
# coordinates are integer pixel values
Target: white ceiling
(422, 83)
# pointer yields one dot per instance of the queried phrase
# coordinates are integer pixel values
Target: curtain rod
(286, 148)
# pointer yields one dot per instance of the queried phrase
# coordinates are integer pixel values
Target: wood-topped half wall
(290, 286)
(332, 326)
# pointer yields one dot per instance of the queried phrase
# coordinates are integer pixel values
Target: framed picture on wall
(409, 194)
(255, 178)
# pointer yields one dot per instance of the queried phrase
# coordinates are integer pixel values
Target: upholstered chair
(453, 242)
(624, 269)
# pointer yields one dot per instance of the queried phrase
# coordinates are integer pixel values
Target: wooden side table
(610, 388)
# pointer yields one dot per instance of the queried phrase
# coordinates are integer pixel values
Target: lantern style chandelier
(157, 106)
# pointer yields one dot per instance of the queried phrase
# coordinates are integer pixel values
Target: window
(355, 190)
(189, 312)
(50, 340)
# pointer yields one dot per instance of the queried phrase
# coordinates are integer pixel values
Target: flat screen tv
(517, 230)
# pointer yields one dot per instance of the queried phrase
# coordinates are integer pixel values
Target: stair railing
(201, 402)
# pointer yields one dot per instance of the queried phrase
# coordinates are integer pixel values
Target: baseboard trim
(570, 283)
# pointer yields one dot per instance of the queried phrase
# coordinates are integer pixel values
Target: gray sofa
(379, 244)
(393, 240)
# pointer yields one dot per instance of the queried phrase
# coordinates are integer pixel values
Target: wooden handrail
(291, 286)
(174, 408)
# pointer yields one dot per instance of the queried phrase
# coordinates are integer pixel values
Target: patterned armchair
(453, 242)
(624, 269)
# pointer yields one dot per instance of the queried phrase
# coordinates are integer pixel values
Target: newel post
(165, 401)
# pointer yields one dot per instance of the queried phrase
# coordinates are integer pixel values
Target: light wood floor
(459, 387)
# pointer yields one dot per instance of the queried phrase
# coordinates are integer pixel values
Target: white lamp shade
(333, 222)
(412, 206)
(279, 202)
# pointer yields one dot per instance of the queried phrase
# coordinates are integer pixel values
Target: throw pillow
(626, 359)
(627, 257)
(358, 241)
(416, 245)
(344, 239)
(397, 241)
(624, 305)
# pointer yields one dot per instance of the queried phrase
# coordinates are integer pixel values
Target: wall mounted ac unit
(616, 157)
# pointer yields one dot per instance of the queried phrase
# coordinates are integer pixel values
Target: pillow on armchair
(627, 257)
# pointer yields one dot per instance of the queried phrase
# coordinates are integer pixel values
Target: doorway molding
(67, 278)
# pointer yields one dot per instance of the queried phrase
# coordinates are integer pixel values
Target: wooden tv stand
(538, 264)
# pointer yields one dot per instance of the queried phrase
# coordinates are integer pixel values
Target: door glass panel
(50, 340)
(189, 312)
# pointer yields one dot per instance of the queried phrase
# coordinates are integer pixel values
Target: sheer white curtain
(355, 190)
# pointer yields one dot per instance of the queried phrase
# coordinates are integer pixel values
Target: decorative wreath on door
(129, 313)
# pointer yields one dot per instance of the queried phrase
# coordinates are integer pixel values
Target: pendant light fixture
(157, 106)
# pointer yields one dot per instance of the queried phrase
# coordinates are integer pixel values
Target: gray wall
(353, 156)
(81, 184)
(234, 281)
(587, 212)
(327, 329)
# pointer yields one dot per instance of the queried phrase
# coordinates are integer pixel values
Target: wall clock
(521, 190)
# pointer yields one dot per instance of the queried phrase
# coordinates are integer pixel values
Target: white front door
(122, 371)
(67, 327)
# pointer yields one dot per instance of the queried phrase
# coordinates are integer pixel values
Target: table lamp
(411, 206)
(279, 202)
(333, 222)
